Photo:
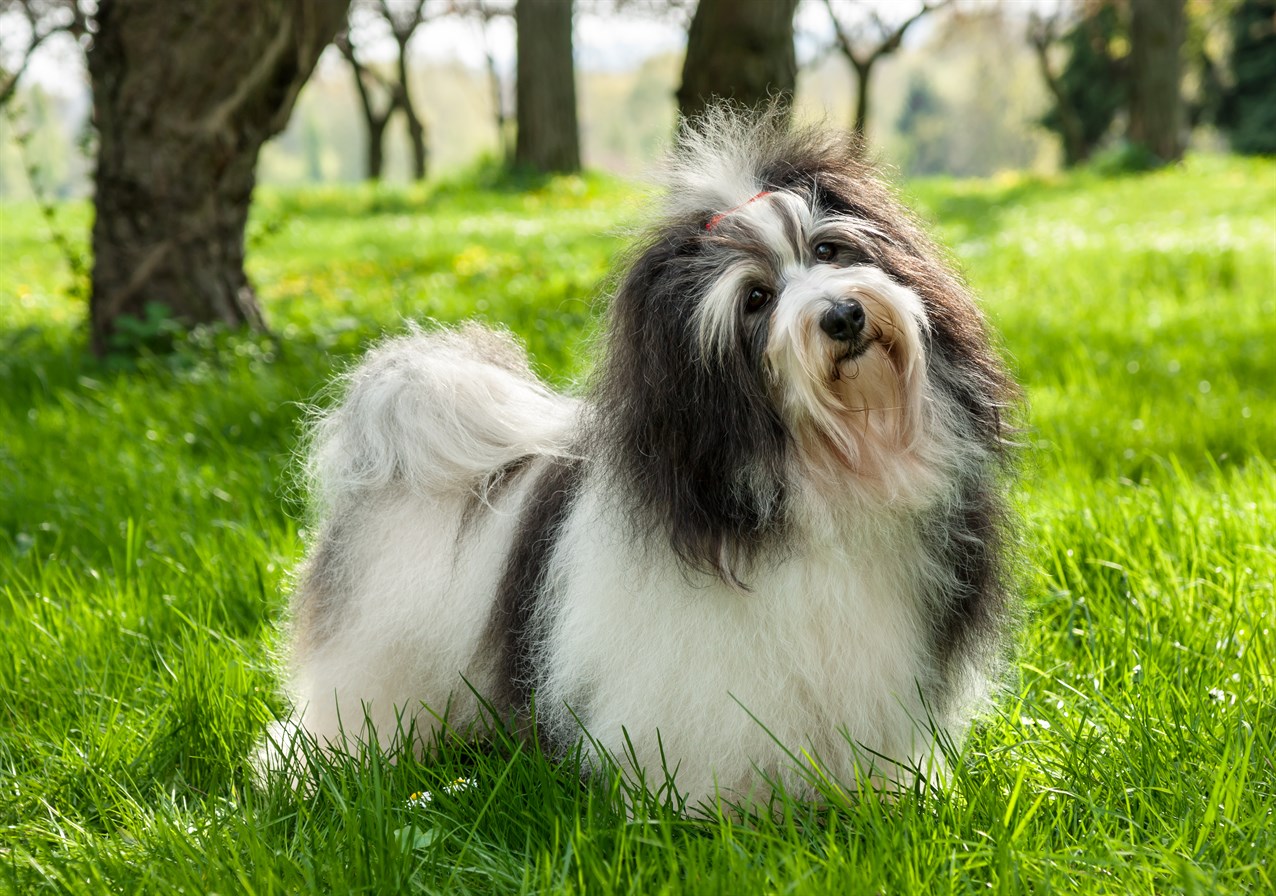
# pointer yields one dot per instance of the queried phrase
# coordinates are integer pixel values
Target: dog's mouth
(848, 352)
(851, 326)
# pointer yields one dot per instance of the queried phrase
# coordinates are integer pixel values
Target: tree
(922, 123)
(1248, 113)
(1157, 30)
(866, 43)
(185, 93)
(380, 96)
(1092, 86)
(484, 13)
(376, 100)
(43, 20)
(404, 18)
(548, 135)
(1063, 117)
(739, 50)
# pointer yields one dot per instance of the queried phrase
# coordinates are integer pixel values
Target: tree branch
(403, 28)
(889, 40)
(889, 37)
(76, 26)
(1042, 34)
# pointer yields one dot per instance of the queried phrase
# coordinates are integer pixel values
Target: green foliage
(1249, 105)
(924, 123)
(1092, 80)
(148, 522)
(1123, 157)
(155, 331)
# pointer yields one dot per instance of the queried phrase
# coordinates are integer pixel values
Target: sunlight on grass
(148, 521)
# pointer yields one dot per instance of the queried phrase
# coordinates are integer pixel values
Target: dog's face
(785, 328)
(796, 286)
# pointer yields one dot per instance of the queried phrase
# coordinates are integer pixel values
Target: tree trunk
(1075, 150)
(375, 159)
(374, 122)
(499, 105)
(739, 50)
(185, 93)
(863, 74)
(1157, 30)
(416, 128)
(548, 135)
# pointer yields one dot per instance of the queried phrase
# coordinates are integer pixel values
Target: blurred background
(269, 186)
(170, 114)
(971, 87)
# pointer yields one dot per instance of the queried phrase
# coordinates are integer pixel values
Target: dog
(769, 542)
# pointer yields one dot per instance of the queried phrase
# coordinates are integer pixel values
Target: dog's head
(786, 319)
(791, 282)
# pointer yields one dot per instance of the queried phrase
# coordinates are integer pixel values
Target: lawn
(149, 518)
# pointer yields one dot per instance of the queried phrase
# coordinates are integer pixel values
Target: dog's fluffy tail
(440, 412)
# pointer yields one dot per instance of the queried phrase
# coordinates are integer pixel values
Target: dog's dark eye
(757, 299)
(825, 251)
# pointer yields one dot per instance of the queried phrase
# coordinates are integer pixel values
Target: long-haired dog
(771, 534)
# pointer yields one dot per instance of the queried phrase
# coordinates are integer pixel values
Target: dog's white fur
(424, 422)
(823, 661)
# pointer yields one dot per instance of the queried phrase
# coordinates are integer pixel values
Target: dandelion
(422, 798)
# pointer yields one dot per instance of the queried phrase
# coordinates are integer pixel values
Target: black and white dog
(771, 534)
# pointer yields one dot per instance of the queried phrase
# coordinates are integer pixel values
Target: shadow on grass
(977, 207)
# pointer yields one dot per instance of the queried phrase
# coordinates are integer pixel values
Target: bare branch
(889, 38)
(43, 20)
(403, 26)
(403, 18)
(843, 36)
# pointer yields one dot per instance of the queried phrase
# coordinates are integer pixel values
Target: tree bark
(1157, 30)
(374, 120)
(185, 93)
(1075, 150)
(863, 78)
(376, 125)
(739, 50)
(548, 135)
(416, 127)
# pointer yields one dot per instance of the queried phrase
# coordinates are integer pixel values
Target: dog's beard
(854, 405)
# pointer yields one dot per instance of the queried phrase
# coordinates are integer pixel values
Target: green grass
(148, 523)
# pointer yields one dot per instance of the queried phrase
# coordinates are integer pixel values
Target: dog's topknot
(728, 155)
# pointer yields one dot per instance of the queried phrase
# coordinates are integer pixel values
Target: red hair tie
(713, 222)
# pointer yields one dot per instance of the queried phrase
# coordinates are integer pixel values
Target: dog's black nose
(844, 321)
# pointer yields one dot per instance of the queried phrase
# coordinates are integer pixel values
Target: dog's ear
(696, 442)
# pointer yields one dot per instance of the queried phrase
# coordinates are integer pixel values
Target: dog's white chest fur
(826, 655)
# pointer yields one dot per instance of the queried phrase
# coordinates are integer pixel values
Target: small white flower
(459, 785)
(422, 799)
